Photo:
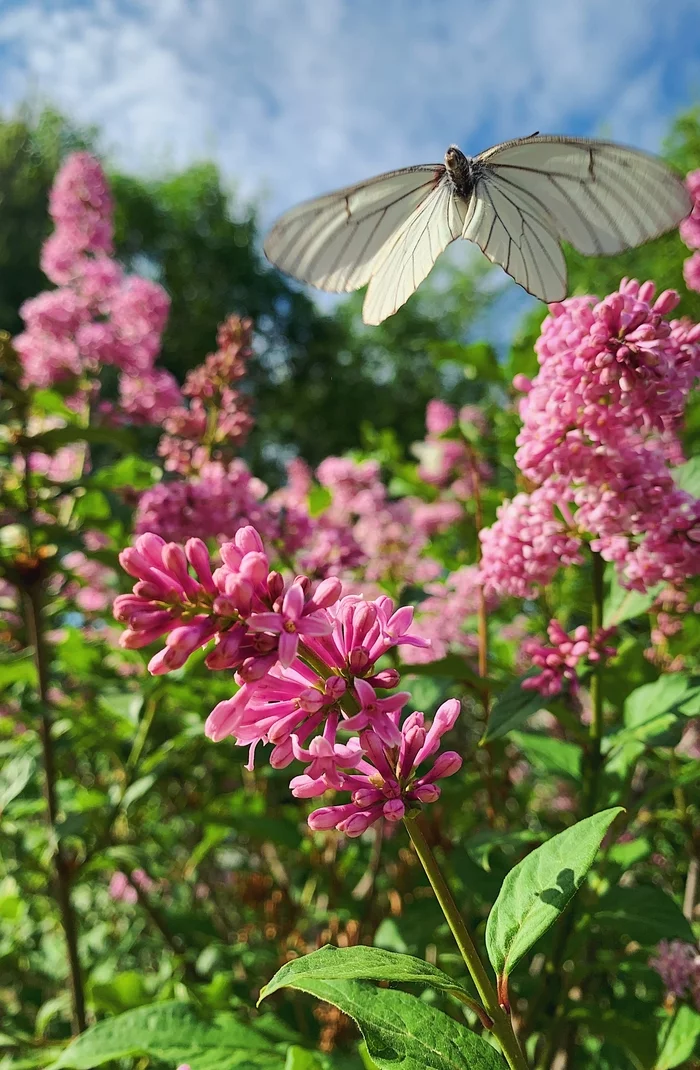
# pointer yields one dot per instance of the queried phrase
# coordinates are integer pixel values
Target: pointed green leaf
(402, 1032)
(550, 754)
(678, 1038)
(644, 913)
(622, 604)
(172, 1033)
(512, 708)
(538, 889)
(361, 964)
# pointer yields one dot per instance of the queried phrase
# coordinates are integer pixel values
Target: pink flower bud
(198, 556)
(393, 809)
(275, 586)
(326, 594)
(248, 541)
(426, 793)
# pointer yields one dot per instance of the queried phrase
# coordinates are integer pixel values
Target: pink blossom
(691, 272)
(690, 227)
(121, 887)
(559, 661)
(290, 623)
(80, 203)
(678, 965)
(439, 417)
(149, 397)
(214, 503)
(527, 545)
(383, 781)
(97, 316)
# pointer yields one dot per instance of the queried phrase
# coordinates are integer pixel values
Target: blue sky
(294, 97)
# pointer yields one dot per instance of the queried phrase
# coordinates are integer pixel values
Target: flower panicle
(305, 659)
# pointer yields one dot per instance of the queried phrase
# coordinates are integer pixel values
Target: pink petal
(288, 645)
(293, 603)
(365, 693)
(314, 624)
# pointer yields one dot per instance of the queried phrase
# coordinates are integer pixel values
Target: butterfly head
(454, 157)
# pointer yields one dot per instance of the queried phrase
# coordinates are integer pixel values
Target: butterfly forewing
(602, 197)
(333, 242)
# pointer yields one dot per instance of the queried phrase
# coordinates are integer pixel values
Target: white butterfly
(517, 201)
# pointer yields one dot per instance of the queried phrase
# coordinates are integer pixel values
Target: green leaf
(538, 889)
(679, 1040)
(652, 710)
(301, 1059)
(170, 1032)
(319, 499)
(93, 505)
(17, 670)
(402, 1032)
(550, 755)
(361, 964)
(137, 790)
(644, 913)
(621, 604)
(14, 777)
(49, 441)
(455, 666)
(687, 476)
(512, 708)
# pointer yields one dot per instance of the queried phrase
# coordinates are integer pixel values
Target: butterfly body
(463, 171)
(517, 201)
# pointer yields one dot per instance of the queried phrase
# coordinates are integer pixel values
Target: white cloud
(296, 96)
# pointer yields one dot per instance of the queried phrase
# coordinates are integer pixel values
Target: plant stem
(596, 689)
(502, 1025)
(32, 598)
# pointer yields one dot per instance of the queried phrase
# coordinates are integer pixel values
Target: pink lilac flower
(355, 486)
(599, 436)
(439, 417)
(527, 544)
(559, 661)
(214, 503)
(149, 397)
(678, 966)
(691, 272)
(606, 368)
(121, 887)
(80, 203)
(305, 661)
(442, 615)
(217, 420)
(383, 781)
(97, 315)
(690, 227)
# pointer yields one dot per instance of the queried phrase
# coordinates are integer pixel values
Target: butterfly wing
(599, 197)
(335, 241)
(409, 257)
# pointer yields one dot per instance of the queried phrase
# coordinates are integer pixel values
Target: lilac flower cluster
(690, 233)
(97, 315)
(599, 437)
(559, 661)
(678, 966)
(305, 661)
(217, 419)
